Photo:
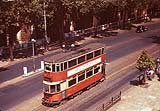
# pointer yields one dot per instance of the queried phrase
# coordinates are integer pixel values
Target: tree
(144, 62)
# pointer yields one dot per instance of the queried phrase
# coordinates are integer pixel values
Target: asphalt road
(122, 50)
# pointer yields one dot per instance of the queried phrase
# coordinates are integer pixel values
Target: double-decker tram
(69, 73)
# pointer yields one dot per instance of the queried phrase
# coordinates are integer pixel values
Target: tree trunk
(11, 53)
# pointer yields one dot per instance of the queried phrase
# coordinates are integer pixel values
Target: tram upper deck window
(57, 67)
(54, 88)
(90, 56)
(65, 65)
(72, 62)
(97, 53)
(53, 67)
(48, 66)
(61, 66)
(81, 59)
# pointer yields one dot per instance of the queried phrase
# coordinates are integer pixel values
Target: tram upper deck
(65, 56)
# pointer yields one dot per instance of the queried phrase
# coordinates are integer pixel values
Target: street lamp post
(33, 54)
(45, 26)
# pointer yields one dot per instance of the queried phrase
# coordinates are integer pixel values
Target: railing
(113, 100)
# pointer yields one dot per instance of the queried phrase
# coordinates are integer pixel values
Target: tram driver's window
(81, 59)
(55, 88)
(90, 56)
(46, 88)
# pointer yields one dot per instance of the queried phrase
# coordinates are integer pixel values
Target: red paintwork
(53, 97)
(60, 76)
(83, 84)
(74, 89)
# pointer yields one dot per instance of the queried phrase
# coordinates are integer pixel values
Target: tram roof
(64, 56)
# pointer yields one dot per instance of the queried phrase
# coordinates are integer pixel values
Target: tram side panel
(84, 84)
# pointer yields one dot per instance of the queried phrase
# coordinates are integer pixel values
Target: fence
(113, 100)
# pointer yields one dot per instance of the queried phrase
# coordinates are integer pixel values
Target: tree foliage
(145, 61)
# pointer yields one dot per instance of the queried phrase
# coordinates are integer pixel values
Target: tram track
(116, 77)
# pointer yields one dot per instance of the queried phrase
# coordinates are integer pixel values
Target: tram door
(63, 89)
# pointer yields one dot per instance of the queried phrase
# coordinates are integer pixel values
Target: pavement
(140, 98)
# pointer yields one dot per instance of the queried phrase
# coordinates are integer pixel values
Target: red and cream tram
(67, 73)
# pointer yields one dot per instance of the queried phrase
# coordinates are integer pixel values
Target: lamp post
(33, 54)
(45, 26)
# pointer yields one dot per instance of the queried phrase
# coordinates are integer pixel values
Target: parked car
(141, 28)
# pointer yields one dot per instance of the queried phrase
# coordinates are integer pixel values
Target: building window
(90, 56)
(89, 73)
(72, 82)
(72, 62)
(81, 77)
(81, 59)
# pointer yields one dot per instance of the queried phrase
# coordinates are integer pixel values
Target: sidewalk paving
(139, 98)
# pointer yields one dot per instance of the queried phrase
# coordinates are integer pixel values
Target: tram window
(81, 77)
(81, 59)
(53, 67)
(90, 56)
(72, 82)
(96, 70)
(97, 53)
(65, 65)
(72, 62)
(47, 79)
(48, 67)
(57, 68)
(89, 73)
(46, 88)
(55, 88)
(61, 66)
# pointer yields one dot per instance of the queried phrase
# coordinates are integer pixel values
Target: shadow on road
(156, 39)
(3, 69)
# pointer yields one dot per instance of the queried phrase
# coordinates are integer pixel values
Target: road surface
(122, 52)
